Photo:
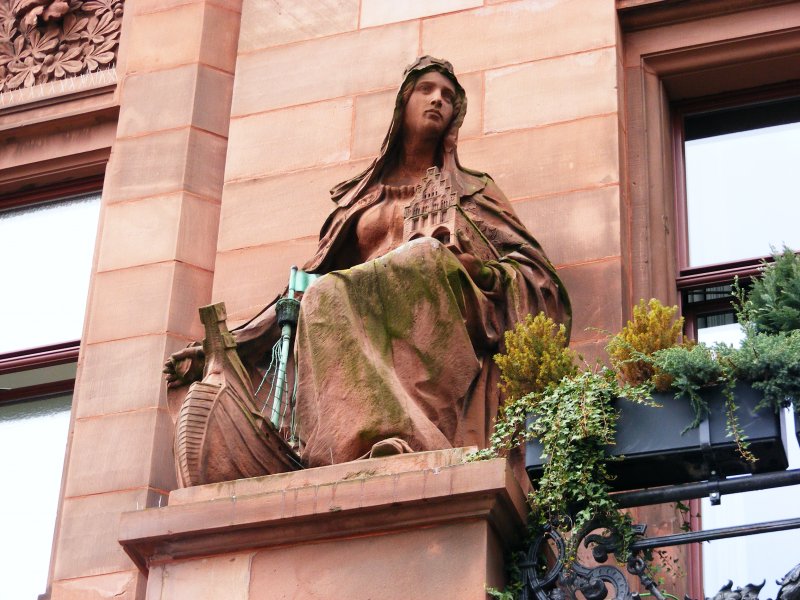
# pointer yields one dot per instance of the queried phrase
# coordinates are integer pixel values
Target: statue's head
(424, 81)
(424, 68)
(428, 106)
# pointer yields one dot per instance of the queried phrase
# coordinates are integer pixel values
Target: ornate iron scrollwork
(549, 578)
(542, 587)
(547, 574)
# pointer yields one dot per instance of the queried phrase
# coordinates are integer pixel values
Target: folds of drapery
(400, 347)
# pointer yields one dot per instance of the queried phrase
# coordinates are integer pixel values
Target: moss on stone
(385, 300)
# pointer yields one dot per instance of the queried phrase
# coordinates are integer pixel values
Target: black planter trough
(655, 452)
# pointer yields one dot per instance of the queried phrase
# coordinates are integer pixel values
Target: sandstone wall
(154, 265)
(313, 96)
(235, 119)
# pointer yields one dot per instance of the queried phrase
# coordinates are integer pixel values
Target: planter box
(655, 453)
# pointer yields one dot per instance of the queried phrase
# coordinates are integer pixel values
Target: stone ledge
(361, 469)
(348, 500)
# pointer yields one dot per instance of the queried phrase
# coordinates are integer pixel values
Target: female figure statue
(394, 346)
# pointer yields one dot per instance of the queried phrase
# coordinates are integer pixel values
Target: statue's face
(429, 109)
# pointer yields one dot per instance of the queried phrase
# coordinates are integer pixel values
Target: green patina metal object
(287, 311)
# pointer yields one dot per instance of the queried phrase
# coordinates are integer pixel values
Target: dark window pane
(717, 320)
(741, 118)
(710, 293)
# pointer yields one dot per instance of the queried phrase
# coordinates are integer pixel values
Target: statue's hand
(185, 366)
(483, 275)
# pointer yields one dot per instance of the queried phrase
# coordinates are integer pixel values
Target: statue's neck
(416, 156)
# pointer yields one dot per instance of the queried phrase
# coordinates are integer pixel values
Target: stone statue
(394, 346)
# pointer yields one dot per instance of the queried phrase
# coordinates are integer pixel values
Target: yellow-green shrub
(536, 356)
(654, 327)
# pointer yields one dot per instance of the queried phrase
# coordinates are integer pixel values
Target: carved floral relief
(46, 40)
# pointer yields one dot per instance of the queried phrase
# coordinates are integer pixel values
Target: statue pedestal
(423, 525)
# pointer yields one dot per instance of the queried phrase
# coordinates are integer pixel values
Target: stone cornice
(635, 15)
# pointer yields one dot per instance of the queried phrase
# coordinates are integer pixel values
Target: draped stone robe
(396, 340)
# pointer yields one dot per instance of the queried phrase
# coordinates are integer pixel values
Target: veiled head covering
(351, 188)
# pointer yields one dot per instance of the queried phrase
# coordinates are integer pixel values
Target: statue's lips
(434, 113)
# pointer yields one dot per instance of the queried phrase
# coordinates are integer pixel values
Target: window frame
(690, 278)
(37, 358)
(670, 57)
(51, 354)
(32, 359)
(52, 192)
(675, 51)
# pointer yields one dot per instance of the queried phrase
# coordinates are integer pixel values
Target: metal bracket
(715, 494)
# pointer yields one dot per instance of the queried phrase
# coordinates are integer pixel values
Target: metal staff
(287, 311)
